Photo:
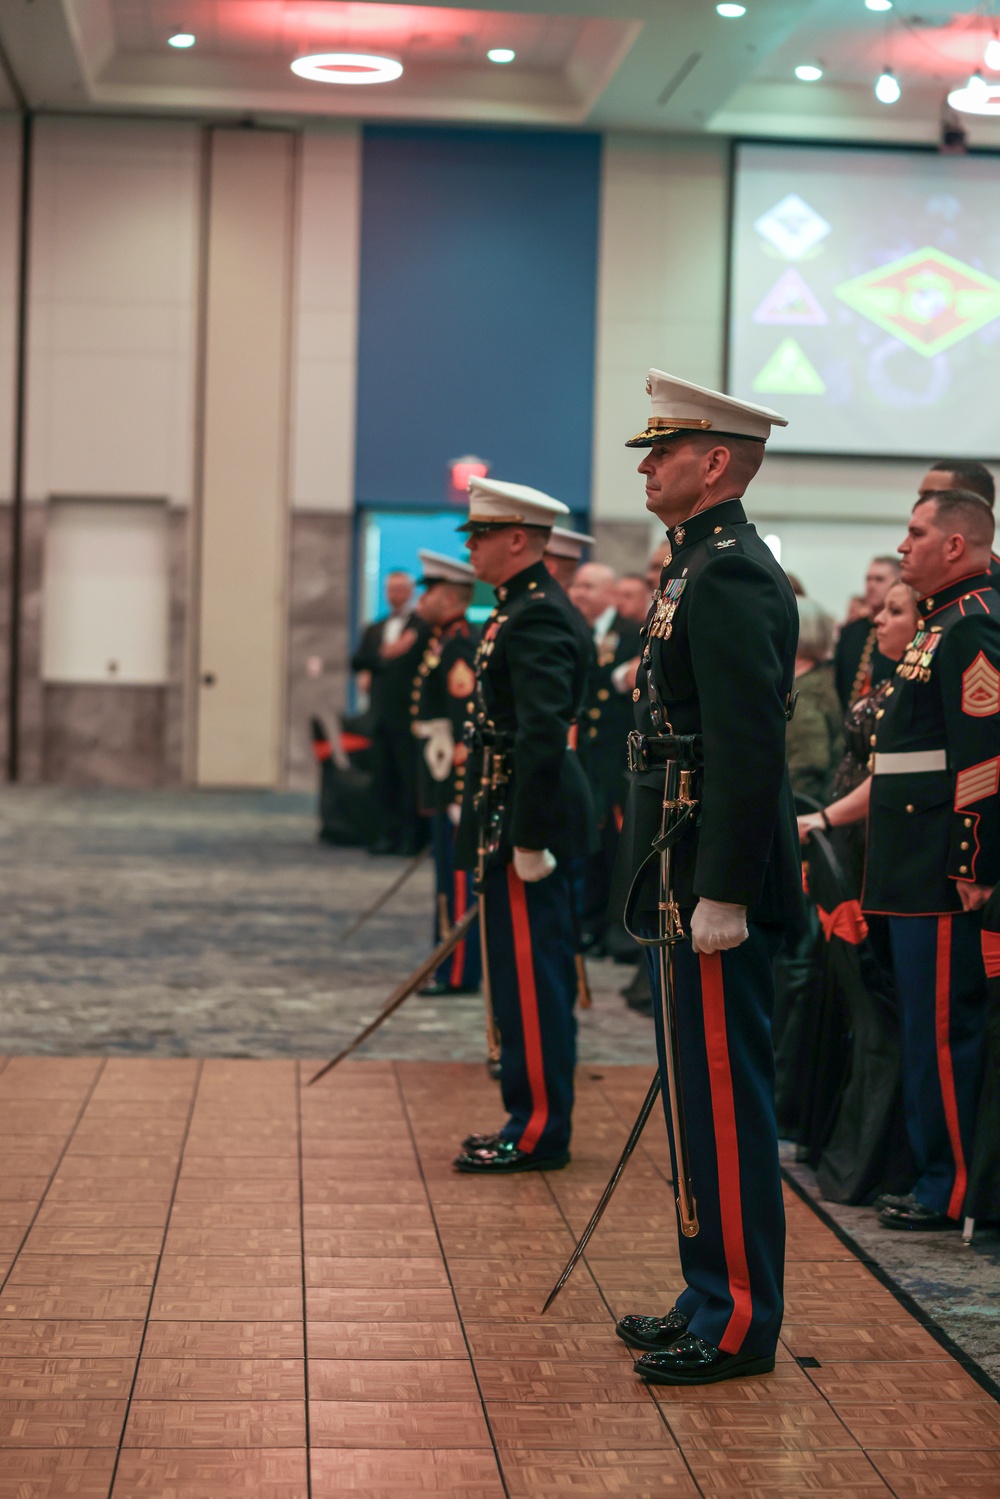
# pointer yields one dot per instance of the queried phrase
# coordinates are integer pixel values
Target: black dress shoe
(652, 1333)
(437, 988)
(911, 1213)
(693, 1361)
(891, 1200)
(481, 1142)
(504, 1158)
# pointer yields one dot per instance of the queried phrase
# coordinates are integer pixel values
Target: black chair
(347, 811)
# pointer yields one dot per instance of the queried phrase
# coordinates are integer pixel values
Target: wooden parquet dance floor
(219, 1283)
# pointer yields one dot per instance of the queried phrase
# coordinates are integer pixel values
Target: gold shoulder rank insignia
(461, 679)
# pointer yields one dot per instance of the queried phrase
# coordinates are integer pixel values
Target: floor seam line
(451, 1283)
(156, 1275)
(305, 1292)
(55, 1171)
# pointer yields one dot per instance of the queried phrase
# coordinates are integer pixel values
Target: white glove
(454, 813)
(532, 864)
(717, 925)
(439, 750)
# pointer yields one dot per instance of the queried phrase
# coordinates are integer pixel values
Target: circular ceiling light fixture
(992, 57)
(878, 4)
(977, 97)
(182, 39)
(501, 54)
(731, 12)
(887, 90)
(347, 67)
(808, 72)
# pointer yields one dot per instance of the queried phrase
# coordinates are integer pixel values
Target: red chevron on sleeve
(981, 689)
(978, 781)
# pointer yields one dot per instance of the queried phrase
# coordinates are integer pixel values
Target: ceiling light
(182, 39)
(501, 54)
(977, 98)
(993, 55)
(731, 11)
(347, 67)
(808, 72)
(878, 4)
(887, 88)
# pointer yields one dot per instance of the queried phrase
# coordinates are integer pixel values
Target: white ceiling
(657, 65)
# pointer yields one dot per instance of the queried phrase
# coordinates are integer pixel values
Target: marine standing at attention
(717, 664)
(527, 797)
(441, 700)
(934, 841)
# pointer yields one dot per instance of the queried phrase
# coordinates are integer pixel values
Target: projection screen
(865, 299)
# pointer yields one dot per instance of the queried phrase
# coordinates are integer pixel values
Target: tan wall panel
(244, 475)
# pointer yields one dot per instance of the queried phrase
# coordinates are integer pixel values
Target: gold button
(532, 585)
(415, 693)
(909, 806)
(963, 869)
(636, 694)
(717, 531)
(603, 695)
(964, 847)
(930, 603)
(889, 691)
(968, 822)
(470, 706)
(592, 733)
(880, 713)
(872, 741)
(595, 712)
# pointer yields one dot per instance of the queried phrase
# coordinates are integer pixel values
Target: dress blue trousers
(531, 955)
(941, 983)
(734, 1266)
(463, 968)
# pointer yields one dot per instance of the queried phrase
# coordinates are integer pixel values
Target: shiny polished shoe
(910, 1213)
(652, 1333)
(481, 1142)
(891, 1200)
(693, 1361)
(504, 1158)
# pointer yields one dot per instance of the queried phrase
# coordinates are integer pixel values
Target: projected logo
(789, 372)
(792, 227)
(790, 301)
(928, 299)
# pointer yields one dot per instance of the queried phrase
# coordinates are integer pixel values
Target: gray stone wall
(319, 592)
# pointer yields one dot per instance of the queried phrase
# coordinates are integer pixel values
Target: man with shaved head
(601, 741)
(934, 841)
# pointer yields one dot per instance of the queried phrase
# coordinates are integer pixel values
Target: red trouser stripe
(528, 997)
(942, 1025)
(458, 958)
(991, 954)
(727, 1151)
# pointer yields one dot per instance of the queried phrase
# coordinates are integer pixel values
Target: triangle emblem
(790, 301)
(789, 372)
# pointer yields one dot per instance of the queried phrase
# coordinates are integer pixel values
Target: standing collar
(533, 577)
(705, 522)
(933, 603)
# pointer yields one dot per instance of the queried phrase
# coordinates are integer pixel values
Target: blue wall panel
(477, 310)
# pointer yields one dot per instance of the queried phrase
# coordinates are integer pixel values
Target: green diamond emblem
(928, 300)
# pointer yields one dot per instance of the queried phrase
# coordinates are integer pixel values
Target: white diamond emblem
(792, 227)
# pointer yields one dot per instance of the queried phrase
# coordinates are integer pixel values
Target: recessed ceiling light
(501, 54)
(347, 67)
(731, 11)
(887, 90)
(808, 72)
(182, 39)
(878, 4)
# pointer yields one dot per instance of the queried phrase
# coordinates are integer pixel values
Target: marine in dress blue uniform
(531, 670)
(441, 700)
(934, 836)
(718, 664)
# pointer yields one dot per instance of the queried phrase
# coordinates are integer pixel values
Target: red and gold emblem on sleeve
(980, 689)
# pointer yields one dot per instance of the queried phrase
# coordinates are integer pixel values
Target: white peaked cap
(494, 503)
(679, 406)
(437, 568)
(563, 543)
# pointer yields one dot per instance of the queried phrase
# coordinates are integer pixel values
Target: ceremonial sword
(676, 809)
(397, 884)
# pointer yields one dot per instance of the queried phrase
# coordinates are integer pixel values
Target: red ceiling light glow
(347, 67)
